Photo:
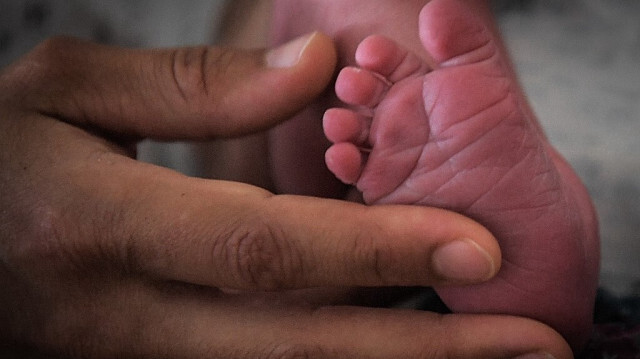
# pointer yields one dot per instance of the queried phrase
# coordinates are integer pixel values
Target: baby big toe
(454, 34)
(384, 56)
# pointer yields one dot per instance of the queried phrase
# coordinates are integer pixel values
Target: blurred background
(579, 61)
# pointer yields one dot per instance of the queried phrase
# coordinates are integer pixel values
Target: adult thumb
(181, 93)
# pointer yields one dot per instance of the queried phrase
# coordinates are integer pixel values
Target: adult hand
(105, 257)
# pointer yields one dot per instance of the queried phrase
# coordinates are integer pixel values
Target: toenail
(289, 54)
(463, 260)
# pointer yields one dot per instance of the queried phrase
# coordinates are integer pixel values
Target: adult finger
(184, 322)
(172, 93)
(233, 235)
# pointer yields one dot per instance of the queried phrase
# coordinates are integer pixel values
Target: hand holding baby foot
(456, 136)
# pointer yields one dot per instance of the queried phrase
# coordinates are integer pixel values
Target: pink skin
(297, 147)
(446, 125)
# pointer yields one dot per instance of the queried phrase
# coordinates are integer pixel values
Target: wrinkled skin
(455, 132)
(105, 257)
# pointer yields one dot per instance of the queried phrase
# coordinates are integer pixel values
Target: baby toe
(345, 161)
(360, 87)
(384, 56)
(342, 125)
(454, 34)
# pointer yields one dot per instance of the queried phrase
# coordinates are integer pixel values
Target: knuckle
(189, 74)
(262, 258)
(115, 246)
(220, 62)
(225, 65)
(197, 69)
(207, 76)
(47, 238)
(39, 237)
(382, 265)
(40, 66)
(54, 45)
(51, 55)
(377, 260)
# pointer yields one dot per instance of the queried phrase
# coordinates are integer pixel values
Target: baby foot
(297, 147)
(455, 135)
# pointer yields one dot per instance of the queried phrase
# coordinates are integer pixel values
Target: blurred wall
(579, 61)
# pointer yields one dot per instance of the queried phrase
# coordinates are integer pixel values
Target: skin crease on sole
(301, 170)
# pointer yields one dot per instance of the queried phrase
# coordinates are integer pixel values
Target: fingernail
(288, 55)
(535, 356)
(463, 260)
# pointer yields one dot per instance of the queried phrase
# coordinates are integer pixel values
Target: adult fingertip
(314, 46)
(502, 336)
(466, 252)
(261, 88)
(320, 49)
(464, 260)
(542, 341)
(289, 54)
(312, 57)
(317, 63)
